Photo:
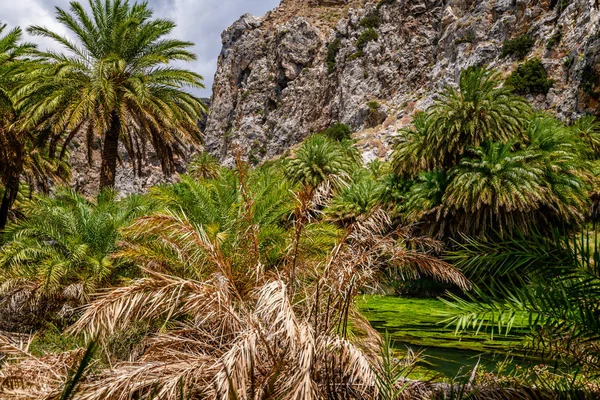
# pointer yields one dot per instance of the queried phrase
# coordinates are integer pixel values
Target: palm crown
(115, 82)
(481, 109)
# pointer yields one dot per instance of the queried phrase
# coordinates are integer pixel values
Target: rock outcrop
(310, 63)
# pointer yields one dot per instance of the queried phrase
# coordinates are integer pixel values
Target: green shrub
(52, 339)
(339, 132)
(530, 78)
(518, 47)
(569, 61)
(373, 105)
(367, 36)
(356, 55)
(371, 20)
(468, 38)
(332, 51)
(554, 40)
(385, 3)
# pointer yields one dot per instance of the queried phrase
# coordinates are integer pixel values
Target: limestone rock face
(299, 68)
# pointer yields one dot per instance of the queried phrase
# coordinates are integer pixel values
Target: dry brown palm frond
(345, 363)
(19, 294)
(150, 298)
(291, 340)
(15, 347)
(151, 380)
(377, 247)
(190, 242)
(236, 367)
(275, 309)
(273, 353)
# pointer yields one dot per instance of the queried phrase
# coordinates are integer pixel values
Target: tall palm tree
(11, 145)
(480, 109)
(117, 82)
(23, 152)
(318, 167)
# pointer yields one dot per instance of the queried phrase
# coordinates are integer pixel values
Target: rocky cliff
(371, 64)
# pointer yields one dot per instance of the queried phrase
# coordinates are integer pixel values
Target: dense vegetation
(244, 282)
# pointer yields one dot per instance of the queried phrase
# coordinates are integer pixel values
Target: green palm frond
(358, 199)
(588, 128)
(204, 227)
(115, 74)
(411, 156)
(498, 190)
(480, 110)
(66, 241)
(318, 161)
(204, 166)
(553, 282)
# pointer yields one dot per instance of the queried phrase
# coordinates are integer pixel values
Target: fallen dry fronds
(26, 376)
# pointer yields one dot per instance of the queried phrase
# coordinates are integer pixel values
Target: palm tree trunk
(10, 195)
(110, 153)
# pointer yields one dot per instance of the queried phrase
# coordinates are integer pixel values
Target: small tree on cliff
(115, 82)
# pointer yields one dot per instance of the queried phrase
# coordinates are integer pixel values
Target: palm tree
(320, 166)
(423, 201)
(12, 140)
(481, 109)
(209, 228)
(116, 82)
(356, 200)
(588, 128)
(233, 335)
(320, 161)
(497, 191)
(563, 156)
(62, 252)
(410, 156)
(204, 166)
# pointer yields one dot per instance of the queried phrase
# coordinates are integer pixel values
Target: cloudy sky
(199, 21)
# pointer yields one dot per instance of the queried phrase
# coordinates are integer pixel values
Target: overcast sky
(198, 21)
